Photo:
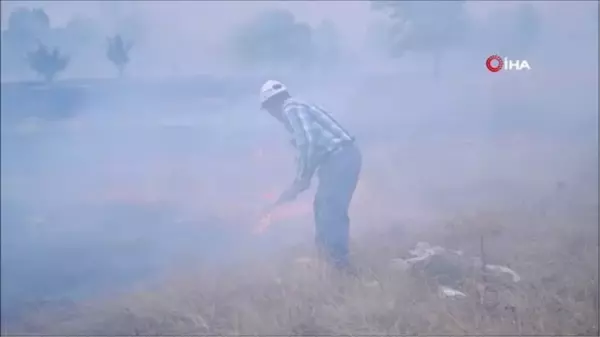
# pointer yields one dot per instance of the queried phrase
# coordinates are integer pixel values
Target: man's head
(272, 96)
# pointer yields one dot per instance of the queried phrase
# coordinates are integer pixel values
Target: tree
(25, 28)
(424, 26)
(274, 38)
(31, 22)
(46, 63)
(118, 52)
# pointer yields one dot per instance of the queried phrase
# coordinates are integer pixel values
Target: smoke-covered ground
(133, 208)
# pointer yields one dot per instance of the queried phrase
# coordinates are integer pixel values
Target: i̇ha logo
(496, 63)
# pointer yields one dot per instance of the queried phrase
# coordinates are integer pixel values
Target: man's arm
(298, 118)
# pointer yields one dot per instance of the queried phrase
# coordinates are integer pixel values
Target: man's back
(318, 126)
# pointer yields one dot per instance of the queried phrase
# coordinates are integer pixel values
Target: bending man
(327, 149)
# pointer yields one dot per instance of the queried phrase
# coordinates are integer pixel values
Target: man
(325, 148)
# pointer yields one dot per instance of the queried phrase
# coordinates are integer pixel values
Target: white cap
(270, 89)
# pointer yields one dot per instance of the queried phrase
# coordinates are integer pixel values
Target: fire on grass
(282, 213)
(366, 206)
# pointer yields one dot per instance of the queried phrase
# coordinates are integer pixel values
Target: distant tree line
(30, 42)
(432, 28)
(276, 39)
(435, 27)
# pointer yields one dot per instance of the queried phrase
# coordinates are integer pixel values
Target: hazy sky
(202, 20)
(199, 30)
(200, 17)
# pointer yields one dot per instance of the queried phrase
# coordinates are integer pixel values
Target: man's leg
(338, 177)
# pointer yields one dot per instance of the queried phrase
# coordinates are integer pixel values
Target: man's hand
(299, 186)
(288, 195)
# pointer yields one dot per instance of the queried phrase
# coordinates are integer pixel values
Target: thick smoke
(107, 181)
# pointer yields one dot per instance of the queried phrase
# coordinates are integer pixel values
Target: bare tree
(118, 52)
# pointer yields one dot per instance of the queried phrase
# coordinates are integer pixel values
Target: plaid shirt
(315, 133)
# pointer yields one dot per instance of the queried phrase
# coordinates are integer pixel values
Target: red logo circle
(496, 68)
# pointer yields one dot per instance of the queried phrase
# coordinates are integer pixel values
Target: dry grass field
(520, 197)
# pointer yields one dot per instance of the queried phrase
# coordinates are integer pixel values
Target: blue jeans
(338, 176)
